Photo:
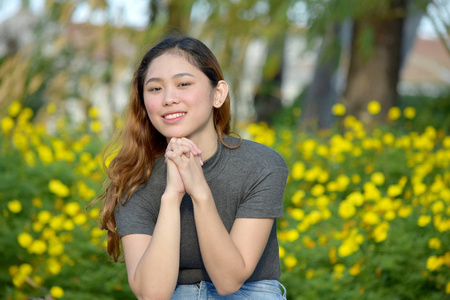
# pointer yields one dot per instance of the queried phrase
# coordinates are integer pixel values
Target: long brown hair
(139, 143)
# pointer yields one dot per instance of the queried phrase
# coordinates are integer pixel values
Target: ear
(220, 93)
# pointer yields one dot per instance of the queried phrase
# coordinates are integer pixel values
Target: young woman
(194, 208)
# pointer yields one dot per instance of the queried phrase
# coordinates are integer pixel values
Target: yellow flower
(53, 266)
(409, 112)
(45, 154)
(394, 113)
(290, 261)
(388, 139)
(20, 140)
(80, 219)
(37, 202)
(51, 108)
(419, 188)
(434, 263)
(58, 188)
(25, 269)
(338, 271)
(15, 206)
(94, 213)
(281, 251)
(389, 215)
(371, 192)
(355, 198)
(446, 142)
(377, 178)
(56, 292)
(96, 126)
(348, 247)
(356, 178)
(37, 226)
(57, 222)
(342, 182)
(434, 243)
(346, 210)
(374, 107)
(332, 255)
(97, 232)
(93, 112)
(424, 220)
(55, 248)
(71, 208)
(297, 197)
(438, 207)
(317, 190)
(297, 213)
(338, 109)
(14, 109)
(394, 190)
(405, 211)
(310, 273)
(355, 269)
(37, 247)
(292, 235)
(25, 239)
(371, 218)
(447, 288)
(380, 232)
(308, 242)
(68, 225)
(44, 216)
(298, 170)
(7, 124)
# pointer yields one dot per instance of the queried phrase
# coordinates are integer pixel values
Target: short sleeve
(135, 217)
(264, 196)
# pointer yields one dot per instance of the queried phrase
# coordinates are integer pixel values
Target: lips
(172, 116)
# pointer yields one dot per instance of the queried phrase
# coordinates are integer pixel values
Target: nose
(170, 97)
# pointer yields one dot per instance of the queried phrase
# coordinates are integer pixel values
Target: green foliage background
(366, 210)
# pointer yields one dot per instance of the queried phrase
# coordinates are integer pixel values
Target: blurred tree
(321, 93)
(268, 96)
(381, 34)
(179, 16)
(375, 58)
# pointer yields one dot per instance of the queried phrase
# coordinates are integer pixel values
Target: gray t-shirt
(246, 182)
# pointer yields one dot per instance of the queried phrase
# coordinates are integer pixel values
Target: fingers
(193, 148)
(183, 146)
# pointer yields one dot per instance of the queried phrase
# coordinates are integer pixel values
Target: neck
(208, 145)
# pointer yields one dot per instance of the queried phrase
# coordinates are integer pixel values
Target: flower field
(367, 212)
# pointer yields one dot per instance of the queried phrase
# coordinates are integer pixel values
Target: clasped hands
(184, 168)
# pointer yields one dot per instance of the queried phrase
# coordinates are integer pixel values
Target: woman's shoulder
(253, 151)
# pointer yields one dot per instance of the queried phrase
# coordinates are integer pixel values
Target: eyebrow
(153, 79)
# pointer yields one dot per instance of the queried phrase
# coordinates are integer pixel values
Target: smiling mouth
(173, 116)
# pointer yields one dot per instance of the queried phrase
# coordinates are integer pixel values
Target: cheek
(150, 106)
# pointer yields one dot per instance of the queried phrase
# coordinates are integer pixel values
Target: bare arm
(153, 261)
(230, 259)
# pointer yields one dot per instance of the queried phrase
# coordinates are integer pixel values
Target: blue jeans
(255, 290)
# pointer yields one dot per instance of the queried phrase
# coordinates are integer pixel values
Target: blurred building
(427, 69)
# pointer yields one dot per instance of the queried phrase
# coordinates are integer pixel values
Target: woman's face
(179, 98)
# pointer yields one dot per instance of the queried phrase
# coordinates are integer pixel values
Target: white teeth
(173, 116)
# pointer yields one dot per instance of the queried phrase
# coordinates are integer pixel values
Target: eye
(184, 84)
(154, 89)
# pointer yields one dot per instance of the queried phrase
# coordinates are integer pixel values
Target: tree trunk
(267, 99)
(179, 16)
(374, 69)
(321, 93)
